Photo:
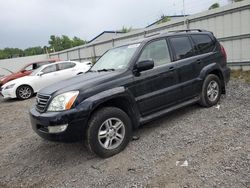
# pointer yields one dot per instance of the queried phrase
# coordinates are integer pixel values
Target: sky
(28, 23)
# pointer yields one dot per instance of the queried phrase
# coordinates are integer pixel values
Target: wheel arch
(24, 85)
(215, 69)
(116, 97)
(122, 103)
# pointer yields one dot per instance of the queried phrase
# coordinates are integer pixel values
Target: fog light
(57, 129)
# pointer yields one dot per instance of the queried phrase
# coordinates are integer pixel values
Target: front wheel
(211, 91)
(24, 92)
(108, 132)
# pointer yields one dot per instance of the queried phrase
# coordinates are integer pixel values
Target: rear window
(66, 65)
(203, 43)
(182, 47)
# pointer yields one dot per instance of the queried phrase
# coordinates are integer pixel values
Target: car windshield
(117, 58)
(36, 71)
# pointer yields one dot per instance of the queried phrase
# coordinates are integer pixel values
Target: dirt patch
(191, 147)
(240, 75)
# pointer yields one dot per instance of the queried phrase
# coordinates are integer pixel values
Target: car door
(186, 65)
(45, 77)
(205, 48)
(154, 89)
(67, 70)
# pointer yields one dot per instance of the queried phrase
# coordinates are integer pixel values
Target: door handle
(171, 68)
(198, 61)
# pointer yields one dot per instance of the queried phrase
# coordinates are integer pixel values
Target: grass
(240, 75)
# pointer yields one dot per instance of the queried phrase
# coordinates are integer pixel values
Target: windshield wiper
(105, 70)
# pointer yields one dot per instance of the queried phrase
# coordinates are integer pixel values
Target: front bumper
(75, 124)
(8, 93)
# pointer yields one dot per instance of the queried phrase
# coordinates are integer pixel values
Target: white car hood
(22, 80)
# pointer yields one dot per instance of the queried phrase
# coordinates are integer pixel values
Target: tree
(56, 43)
(163, 19)
(213, 6)
(234, 1)
(126, 29)
(77, 41)
(33, 51)
(10, 53)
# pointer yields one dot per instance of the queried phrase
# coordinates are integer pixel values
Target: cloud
(31, 22)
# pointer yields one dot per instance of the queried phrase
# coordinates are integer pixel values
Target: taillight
(223, 51)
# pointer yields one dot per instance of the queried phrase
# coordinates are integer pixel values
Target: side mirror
(40, 74)
(144, 65)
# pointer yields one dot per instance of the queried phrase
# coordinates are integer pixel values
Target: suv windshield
(117, 58)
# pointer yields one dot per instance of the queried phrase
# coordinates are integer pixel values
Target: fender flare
(210, 68)
(92, 103)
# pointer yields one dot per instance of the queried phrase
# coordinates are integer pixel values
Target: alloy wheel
(111, 133)
(212, 91)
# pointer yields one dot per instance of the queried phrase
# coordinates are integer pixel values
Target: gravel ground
(191, 147)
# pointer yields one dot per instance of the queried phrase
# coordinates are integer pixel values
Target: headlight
(9, 86)
(63, 101)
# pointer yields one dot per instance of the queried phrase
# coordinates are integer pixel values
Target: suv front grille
(42, 102)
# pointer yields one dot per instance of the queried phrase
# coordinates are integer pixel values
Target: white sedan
(25, 87)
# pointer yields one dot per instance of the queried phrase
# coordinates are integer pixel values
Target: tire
(211, 91)
(103, 135)
(24, 92)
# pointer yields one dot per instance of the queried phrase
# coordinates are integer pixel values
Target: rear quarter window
(203, 43)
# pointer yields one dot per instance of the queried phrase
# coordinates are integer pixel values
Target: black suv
(130, 85)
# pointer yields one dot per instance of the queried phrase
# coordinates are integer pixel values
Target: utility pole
(184, 13)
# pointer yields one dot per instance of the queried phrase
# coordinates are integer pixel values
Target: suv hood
(80, 82)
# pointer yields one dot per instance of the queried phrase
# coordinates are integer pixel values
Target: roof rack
(151, 35)
(187, 30)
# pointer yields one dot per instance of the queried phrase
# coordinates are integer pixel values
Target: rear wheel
(24, 92)
(108, 132)
(211, 91)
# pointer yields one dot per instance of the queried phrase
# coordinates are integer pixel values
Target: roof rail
(151, 35)
(187, 30)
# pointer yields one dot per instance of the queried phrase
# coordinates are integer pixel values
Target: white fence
(16, 64)
(230, 24)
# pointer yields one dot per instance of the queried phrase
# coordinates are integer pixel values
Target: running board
(165, 111)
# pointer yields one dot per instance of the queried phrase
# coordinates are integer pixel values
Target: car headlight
(9, 86)
(63, 101)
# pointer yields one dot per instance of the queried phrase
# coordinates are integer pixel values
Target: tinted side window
(157, 51)
(182, 47)
(49, 69)
(204, 43)
(66, 65)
